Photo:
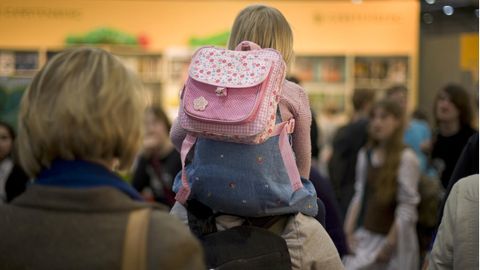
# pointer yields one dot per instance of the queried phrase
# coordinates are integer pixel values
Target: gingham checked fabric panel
(247, 113)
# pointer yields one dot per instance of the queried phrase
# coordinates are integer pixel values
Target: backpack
(243, 163)
(431, 194)
(248, 246)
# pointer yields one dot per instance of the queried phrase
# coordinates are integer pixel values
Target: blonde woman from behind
(79, 119)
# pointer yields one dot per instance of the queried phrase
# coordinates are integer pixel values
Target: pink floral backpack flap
(233, 95)
(230, 104)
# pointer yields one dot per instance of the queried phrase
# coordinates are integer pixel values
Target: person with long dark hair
(453, 117)
(380, 222)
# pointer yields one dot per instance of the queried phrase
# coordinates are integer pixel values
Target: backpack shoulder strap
(135, 243)
(187, 145)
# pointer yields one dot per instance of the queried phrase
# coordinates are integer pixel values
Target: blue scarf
(79, 174)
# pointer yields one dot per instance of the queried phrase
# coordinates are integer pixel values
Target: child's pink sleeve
(296, 100)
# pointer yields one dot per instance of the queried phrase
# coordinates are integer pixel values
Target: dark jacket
(341, 168)
(466, 165)
(62, 228)
(333, 219)
(446, 151)
(158, 174)
(16, 182)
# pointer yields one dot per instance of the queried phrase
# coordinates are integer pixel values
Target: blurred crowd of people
(82, 123)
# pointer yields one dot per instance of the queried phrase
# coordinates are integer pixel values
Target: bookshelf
(23, 63)
(19, 65)
(330, 80)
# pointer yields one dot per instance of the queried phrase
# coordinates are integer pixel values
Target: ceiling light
(448, 10)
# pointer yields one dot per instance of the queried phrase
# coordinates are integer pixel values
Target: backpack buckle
(221, 91)
(290, 126)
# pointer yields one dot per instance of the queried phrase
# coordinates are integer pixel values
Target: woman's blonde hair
(265, 26)
(83, 104)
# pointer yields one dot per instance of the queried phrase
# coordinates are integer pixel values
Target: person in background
(13, 179)
(381, 221)
(346, 144)
(159, 162)
(467, 165)
(330, 120)
(79, 120)
(333, 219)
(456, 243)
(328, 209)
(7, 136)
(417, 135)
(453, 117)
(419, 114)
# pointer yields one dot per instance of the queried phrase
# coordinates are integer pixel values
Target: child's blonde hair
(83, 104)
(265, 26)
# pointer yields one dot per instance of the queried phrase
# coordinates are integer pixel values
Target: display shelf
(330, 80)
(381, 72)
(326, 80)
(24, 63)
(15, 62)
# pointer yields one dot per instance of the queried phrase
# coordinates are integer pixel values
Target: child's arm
(296, 100)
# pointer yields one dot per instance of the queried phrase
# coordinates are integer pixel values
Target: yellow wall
(319, 26)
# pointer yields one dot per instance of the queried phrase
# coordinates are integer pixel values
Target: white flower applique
(200, 103)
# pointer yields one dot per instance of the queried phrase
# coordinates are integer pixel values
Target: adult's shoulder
(468, 187)
(468, 131)
(173, 245)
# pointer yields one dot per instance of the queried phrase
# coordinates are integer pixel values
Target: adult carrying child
(237, 118)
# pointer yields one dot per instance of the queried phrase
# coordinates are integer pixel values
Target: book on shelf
(26, 63)
(7, 63)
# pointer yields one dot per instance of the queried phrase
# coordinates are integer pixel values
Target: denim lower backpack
(242, 162)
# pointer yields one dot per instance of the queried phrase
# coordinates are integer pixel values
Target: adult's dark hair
(160, 115)
(361, 97)
(396, 89)
(314, 137)
(9, 128)
(420, 114)
(461, 99)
